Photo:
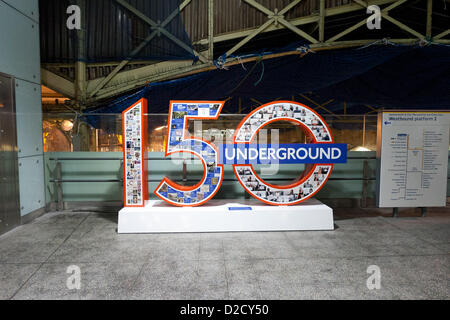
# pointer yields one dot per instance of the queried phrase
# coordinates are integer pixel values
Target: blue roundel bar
(319, 153)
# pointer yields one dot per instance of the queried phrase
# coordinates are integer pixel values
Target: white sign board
(412, 159)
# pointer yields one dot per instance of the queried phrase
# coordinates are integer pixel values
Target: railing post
(395, 213)
(365, 185)
(185, 175)
(59, 189)
(423, 210)
(121, 178)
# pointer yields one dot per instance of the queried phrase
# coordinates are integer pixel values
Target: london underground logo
(282, 153)
(319, 154)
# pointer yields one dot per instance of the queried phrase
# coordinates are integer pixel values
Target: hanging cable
(262, 74)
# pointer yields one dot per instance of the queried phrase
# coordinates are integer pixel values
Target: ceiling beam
(58, 83)
(296, 30)
(125, 77)
(384, 14)
(149, 77)
(296, 22)
(442, 34)
(160, 29)
(321, 106)
(139, 48)
(249, 37)
(211, 30)
(322, 21)
(363, 22)
(276, 17)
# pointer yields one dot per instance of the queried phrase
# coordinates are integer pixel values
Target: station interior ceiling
(241, 51)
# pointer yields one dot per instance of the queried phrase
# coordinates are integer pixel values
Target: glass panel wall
(103, 132)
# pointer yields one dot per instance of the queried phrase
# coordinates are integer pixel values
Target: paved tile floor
(412, 254)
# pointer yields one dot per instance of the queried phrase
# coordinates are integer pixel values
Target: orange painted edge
(143, 103)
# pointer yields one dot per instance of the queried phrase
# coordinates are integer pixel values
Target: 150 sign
(319, 154)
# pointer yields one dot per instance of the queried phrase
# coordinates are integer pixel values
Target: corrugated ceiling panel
(235, 15)
(112, 32)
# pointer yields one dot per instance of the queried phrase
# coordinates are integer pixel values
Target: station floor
(412, 254)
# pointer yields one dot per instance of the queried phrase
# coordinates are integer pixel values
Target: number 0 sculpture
(311, 181)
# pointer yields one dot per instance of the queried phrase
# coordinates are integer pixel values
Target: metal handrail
(194, 181)
(114, 159)
(167, 158)
(59, 180)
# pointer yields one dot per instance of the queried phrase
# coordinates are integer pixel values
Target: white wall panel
(19, 43)
(30, 8)
(29, 118)
(31, 178)
(20, 58)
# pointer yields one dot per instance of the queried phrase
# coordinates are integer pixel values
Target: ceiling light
(360, 148)
(160, 128)
(67, 125)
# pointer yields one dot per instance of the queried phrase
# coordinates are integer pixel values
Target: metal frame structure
(88, 92)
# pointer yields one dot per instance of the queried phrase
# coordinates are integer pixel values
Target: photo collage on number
(176, 133)
(277, 195)
(133, 154)
(285, 110)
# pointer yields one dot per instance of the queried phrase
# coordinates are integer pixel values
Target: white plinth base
(226, 216)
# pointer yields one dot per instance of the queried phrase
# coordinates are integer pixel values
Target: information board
(412, 154)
